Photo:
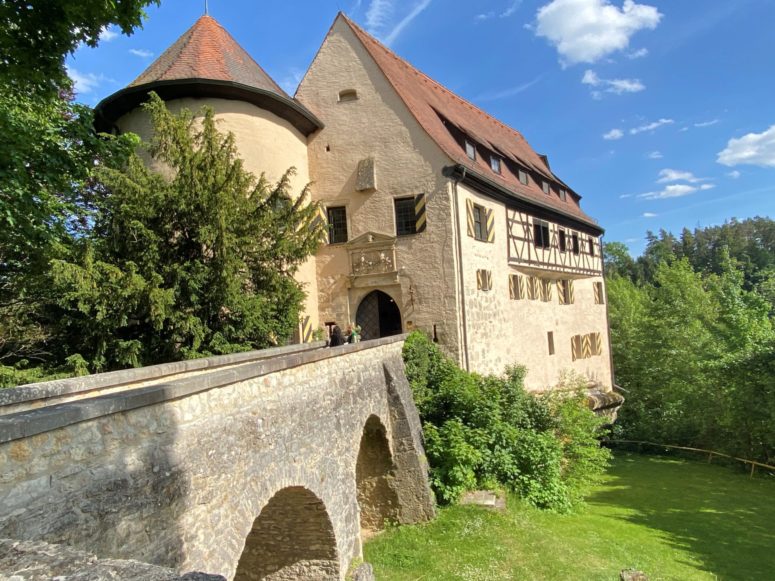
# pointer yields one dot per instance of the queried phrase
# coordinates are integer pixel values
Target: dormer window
(348, 95)
(523, 177)
(545, 187)
(470, 150)
(563, 194)
(495, 163)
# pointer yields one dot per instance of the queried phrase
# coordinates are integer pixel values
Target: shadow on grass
(719, 515)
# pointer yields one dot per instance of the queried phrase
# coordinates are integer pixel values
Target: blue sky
(660, 113)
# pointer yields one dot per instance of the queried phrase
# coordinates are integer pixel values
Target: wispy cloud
(508, 11)
(406, 21)
(141, 52)
(614, 86)
(638, 54)
(378, 15)
(654, 155)
(673, 175)
(510, 92)
(671, 191)
(651, 126)
(291, 80)
(107, 34)
(734, 174)
(614, 134)
(85, 83)
(650, 215)
(706, 123)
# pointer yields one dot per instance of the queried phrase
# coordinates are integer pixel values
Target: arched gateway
(378, 316)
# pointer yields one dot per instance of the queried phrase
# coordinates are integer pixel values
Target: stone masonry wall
(181, 483)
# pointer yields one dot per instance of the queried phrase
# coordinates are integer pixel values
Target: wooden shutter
(321, 219)
(596, 289)
(470, 217)
(586, 346)
(490, 225)
(598, 345)
(512, 286)
(575, 347)
(488, 277)
(306, 329)
(546, 290)
(516, 286)
(571, 300)
(419, 213)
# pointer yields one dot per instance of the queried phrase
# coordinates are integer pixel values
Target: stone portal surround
(176, 473)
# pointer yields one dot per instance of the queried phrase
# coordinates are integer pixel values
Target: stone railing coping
(24, 424)
(86, 383)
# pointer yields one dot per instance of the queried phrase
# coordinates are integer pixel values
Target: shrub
(488, 431)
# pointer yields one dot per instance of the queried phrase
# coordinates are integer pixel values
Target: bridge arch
(375, 479)
(292, 538)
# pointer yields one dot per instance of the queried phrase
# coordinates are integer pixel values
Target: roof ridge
(417, 71)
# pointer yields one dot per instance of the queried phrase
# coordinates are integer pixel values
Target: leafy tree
(193, 259)
(36, 35)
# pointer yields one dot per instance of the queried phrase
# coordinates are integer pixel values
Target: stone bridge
(263, 465)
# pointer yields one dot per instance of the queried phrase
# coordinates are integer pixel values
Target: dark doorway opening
(378, 316)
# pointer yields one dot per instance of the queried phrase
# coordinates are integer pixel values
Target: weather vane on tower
(207, 11)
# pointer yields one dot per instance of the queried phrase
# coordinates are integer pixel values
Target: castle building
(440, 217)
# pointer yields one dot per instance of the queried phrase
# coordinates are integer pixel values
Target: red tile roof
(429, 101)
(207, 51)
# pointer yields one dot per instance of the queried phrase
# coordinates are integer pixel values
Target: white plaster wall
(408, 163)
(502, 331)
(267, 144)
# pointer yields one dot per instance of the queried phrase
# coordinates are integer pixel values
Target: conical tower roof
(206, 61)
(208, 51)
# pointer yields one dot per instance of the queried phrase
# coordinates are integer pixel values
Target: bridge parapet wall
(178, 473)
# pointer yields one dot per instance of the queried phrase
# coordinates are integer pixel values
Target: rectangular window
(563, 243)
(565, 291)
(576, 347)
(495, 163)
(599, 294)
(545, 187)
(541, 234)
(470, 150)
(563, 194)
(550, 341)
(516, 287)
(575, 243)
(479, 223)
(337, 225)
(523, 177)
(484, 280)
(406, 221)
(591, 244)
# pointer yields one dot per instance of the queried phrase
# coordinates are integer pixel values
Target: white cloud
(290, 81)
(84, 83)
(649, 215)
(614, 134)
(141, 52)
(585, 31)
(751, 149)
(485, 15)
(705, 187)
(673, 175)
(510, 92)
(651, 126)
(734, 174)
(638, 54)
(671, 191)
(615, 86)
(655, 155)
(108, 34)
(706, 123)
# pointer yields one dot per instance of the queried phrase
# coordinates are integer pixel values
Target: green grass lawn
(671, 518)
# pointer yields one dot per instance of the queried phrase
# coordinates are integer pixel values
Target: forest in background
(693, 337)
